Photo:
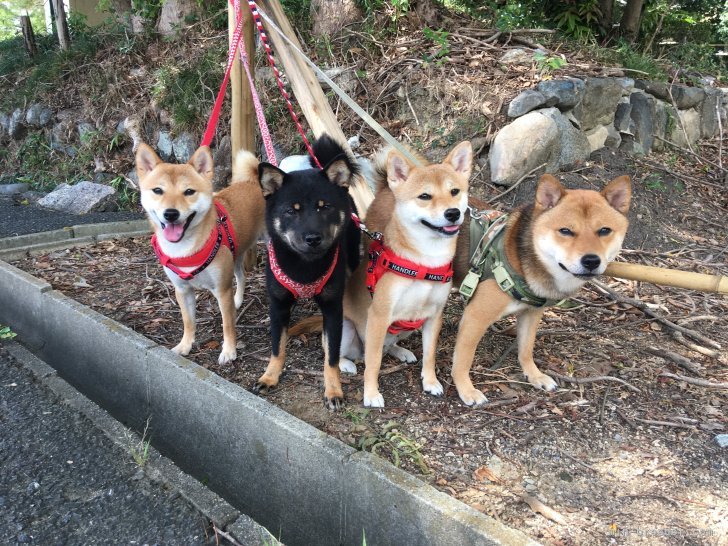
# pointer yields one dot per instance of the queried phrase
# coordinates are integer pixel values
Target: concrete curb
(299, 482)
(12, 248)
(157, 468)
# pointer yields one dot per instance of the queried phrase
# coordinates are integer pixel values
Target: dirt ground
(620, 454)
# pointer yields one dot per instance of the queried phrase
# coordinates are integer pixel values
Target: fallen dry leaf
(540, 508)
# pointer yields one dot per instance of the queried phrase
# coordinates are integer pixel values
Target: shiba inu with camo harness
(543, 253)
(200, 237)
(404, 285)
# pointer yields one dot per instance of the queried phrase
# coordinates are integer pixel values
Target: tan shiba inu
(418, 210)
(201, 237)
(553, 246)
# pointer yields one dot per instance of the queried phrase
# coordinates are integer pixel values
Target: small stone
(164, 145)
(184, 146)
(722, 440)
(527, 101)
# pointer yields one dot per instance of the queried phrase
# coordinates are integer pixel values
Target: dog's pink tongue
(450, 229)
(173, 232)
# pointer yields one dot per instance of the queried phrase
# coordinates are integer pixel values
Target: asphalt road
(64, 482)
(16, 219)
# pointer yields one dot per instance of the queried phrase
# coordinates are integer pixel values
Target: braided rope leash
(215, 114)
(279, 77)
(259, 113)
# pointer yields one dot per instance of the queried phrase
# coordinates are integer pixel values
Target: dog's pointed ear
(270, 177)
(549, 192)
(202, 162)
(461, 158)
(338, 172)
(398, 169)
(146, 160)
(618, 193)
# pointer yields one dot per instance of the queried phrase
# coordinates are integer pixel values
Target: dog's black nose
(452, 215)
(312, 239)
(171, 215)
(591, 261)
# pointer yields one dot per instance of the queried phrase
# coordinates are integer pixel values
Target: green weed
(655, 182)
(6, 332)
(395, 444)
(127, 198)
(439, 37)
(140, 448)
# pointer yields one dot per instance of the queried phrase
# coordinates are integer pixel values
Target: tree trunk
(629, 27)
(28, 36)
(607, 19)
(64, 38)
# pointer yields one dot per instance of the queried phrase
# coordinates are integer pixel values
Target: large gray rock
(642, 115)
(614, 139)
(14, 189)
(684, 96)
(597, 107)
(164, 146)
(61, 135)
(522, 146)
(527, 101)
(564, 94)
(627, 85)
(597, 137)
(709, 112)
(16, 129)
(574, 147)
(517, 56)
(689, 120)
(622, 116)
(81, 198)
(184, 146)
(663, 115)
(38, 115)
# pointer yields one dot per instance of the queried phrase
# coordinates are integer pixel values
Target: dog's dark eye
(158, 191)
(424, 196)
(291, 211)
(189, 191)
(566, 231)
(603, 232)
(454, 192)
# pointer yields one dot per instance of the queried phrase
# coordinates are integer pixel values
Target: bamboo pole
(669, 277)
(242, 119)
(309, 94)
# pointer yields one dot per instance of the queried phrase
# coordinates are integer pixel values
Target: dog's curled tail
(309, 325)
(380, 164)
(245, 167)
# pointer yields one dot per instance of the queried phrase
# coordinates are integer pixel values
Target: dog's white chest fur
(418, 299)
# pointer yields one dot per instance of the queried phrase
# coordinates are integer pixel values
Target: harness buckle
(501, 276)
(469, 284)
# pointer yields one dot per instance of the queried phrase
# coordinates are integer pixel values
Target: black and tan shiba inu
(405, 283)
(545, 253)
(314, 246)
(201, 237)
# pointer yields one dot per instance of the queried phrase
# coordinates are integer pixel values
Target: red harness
(298, 289)
(382, 260)
(222, 234)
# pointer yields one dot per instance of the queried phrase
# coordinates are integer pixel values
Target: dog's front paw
(334, 403)
(183, 348)
(347, 366)
(434, 387)
(238, 299)
(543, 381)
(402, 354)
(226, 356)
(376, 400)
(473, 397)
(264, 384)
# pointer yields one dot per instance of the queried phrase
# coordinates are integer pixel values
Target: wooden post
(64, 38)
(28, 36)
(242, 118)
(669, 277)
(308, 92)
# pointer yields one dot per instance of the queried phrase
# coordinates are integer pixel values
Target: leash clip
(469, 284)
(501, 276)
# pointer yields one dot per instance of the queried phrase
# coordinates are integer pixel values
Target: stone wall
(560, 123)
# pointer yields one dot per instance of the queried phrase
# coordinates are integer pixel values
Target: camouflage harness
(488, 260)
